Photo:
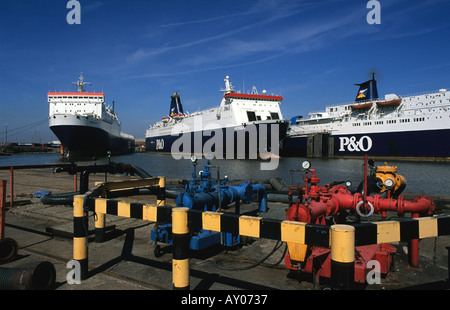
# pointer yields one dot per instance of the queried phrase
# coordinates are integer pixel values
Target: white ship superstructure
(238, 113)
(416, 125)
(85, 125)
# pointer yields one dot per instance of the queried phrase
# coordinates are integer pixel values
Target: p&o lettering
(350, 144)
(159, 144)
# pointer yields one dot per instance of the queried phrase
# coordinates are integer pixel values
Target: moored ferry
(85, 125)
(246, 125)
(410, 126)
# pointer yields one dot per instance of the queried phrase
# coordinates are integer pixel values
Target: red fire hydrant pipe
(347, 201)
(414, 249)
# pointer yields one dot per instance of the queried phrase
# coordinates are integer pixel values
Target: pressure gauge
(306, 164)
(388, 182)
(348, 183)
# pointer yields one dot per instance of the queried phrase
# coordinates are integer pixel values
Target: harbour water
(421, 177)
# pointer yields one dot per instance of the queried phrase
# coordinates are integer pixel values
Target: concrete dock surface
(126, 261)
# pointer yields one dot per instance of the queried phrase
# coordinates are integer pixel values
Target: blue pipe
(228, 194)
(260, 190)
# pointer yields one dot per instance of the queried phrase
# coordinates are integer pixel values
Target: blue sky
(138, 52)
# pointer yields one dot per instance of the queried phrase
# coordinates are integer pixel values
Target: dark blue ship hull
(91, 141)
(237, 142)
(429, 143)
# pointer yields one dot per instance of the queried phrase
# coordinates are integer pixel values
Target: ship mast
(228, 86)
(80, 84)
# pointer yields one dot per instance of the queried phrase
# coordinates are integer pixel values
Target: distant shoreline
(18, 149)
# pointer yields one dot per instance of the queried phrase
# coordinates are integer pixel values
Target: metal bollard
(80, 236)
(180, 260)
(342, 256)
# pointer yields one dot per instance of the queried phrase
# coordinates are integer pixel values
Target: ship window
(251, 116)
(274, 115)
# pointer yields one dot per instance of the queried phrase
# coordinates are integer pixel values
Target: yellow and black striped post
(80, 226)
(342, 256)
(181, 240)
(161, 193)
(100, 221)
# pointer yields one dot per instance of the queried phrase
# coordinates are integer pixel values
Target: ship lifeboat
(178, 116)
(165, 119)
(362, 106)
(389, 103)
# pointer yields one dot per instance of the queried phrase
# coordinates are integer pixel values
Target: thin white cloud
(294, 40)
(207, 20)
(229, 49)
(144, 53)
(141, 53)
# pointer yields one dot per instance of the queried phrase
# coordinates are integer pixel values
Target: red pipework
(315, 203)
(414, 249)
(327, 201)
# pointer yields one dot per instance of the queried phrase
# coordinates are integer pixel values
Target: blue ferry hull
(430, 143)
(232, 142)
(91, 141)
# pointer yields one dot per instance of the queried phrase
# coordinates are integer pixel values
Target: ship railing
(431, 92)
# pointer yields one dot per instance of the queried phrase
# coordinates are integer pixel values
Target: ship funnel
(175, 105)
(367, 90)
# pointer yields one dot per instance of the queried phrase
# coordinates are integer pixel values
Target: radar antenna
(228, 86)
(80, 84)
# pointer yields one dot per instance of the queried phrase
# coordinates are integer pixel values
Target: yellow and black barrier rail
(275, 229)
(258, 227)
(319, 235)
(401, 230)
(95, 200)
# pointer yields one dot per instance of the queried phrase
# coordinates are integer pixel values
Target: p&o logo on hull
(350, 144)
(160, 144)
